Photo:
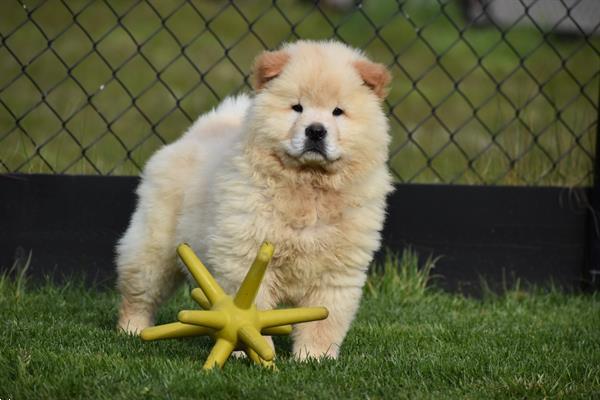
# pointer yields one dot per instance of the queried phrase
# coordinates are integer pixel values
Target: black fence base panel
(493, 236)
(70, 224)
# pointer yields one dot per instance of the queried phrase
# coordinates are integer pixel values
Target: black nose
(315, 132)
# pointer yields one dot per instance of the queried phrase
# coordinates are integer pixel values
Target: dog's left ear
(375, 76)
(268, 65)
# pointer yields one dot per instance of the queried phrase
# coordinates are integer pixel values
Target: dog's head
(318, 108)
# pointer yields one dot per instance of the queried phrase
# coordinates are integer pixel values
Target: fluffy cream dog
(302, 164)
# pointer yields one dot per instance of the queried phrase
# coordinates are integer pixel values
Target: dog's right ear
(267, 66)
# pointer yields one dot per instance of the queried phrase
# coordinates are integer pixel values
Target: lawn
(406, 342)
(96, 87)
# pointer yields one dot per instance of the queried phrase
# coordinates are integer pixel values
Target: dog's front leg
(323, 338)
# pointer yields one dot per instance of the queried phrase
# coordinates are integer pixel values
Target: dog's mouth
(314, 157)
(311, 155)
(314, 151)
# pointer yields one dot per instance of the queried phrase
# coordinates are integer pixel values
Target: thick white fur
(230, 183)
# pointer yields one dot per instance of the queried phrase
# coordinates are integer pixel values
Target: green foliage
(61, 342)
(13, 280)
(400, 278)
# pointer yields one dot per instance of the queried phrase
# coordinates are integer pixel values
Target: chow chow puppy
(301, 163)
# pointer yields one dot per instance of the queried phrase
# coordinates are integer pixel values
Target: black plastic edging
(536, 234)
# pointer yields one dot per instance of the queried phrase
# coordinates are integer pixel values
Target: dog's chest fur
(310, 229)
(302, 208)
(321, 236)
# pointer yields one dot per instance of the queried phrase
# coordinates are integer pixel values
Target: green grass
(408, 341)
(535, 148)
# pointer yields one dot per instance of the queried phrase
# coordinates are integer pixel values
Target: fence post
(592, 275)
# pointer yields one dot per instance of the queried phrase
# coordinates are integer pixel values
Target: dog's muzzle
(315, 139)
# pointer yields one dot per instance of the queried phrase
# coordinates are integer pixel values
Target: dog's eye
(337, 111)
(297, 107)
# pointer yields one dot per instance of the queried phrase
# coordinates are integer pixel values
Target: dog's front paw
(133, 325)
(239, 354)
(305, 353)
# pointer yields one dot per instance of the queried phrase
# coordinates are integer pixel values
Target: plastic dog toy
(234, 323)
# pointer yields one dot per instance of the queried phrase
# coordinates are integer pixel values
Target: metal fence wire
(484, 91)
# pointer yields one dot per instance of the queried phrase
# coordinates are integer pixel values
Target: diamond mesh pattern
(97, 86)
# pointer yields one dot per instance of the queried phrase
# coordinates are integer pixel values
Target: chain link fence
(484, 91)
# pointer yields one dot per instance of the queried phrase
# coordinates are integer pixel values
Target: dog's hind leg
(147, 275)
(146, 258)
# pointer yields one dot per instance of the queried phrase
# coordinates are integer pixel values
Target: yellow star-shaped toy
(234, 323)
